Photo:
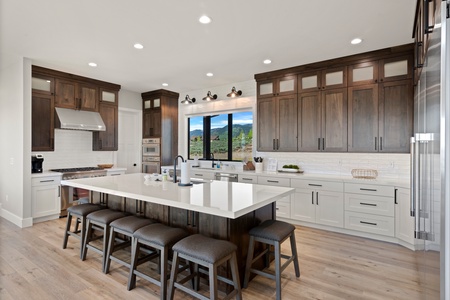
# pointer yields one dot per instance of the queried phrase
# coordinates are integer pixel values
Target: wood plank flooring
(33, 265)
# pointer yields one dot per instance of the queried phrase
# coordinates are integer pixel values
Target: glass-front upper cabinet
(277, 87)
(321, 80)
(42, 84)
(152, 103)
(108, 96)
(363, 73)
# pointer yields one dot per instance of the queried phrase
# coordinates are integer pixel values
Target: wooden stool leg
(106, 231)
(295, 255)
(163, 259)
(109, 251)
(248, 265)
(213, 293)
(66, 233)
(82, 232)
(235, 276)
(87, 239)
(173, 275)
(134, 260)
(278, 270)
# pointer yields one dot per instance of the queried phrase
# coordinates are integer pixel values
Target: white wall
(129, 99)
(387, 165)
(15, 129)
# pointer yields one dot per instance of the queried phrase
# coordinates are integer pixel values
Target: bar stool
(79, 212)
(161, 238)
(101, 220)
(273, 233)
(125, 226)
(210, 253)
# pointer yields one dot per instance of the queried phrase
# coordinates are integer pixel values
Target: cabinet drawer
(202, 175)
(283, 208)
(369, 189)
(369, 223)
(45, 181)
(248, 178)
(370, 204)
(274, 181)
(317, 185)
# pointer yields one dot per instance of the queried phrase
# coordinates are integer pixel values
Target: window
(227, 136)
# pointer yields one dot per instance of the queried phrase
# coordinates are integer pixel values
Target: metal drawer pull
(368, 204)
(246, 178)
(199, 175)
(273, 181)
(370, 190)
(313, 184)
(50, 180)
(278, 208)
(368, 223)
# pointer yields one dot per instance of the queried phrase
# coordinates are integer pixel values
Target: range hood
(79, 119)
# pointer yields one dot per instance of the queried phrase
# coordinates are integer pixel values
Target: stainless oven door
(151, 167)
(71, 195)
(151, 150)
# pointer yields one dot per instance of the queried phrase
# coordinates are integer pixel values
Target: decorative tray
(105, 166)
(287, 170)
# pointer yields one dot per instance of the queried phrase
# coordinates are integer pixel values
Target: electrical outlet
(391, 164)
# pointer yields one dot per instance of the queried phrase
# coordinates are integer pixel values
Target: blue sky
(220, 121)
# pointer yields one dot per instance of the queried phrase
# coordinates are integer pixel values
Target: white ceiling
(67, 34)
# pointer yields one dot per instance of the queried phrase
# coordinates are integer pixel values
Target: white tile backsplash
(388, 165)
(73, 148)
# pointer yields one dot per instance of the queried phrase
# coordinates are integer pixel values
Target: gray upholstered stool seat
(101, 219)
(161, 238)
(272, 233)
(125, 226)
(80, 212)
(210, 253)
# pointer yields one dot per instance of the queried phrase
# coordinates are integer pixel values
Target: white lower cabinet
(320, 202)
(45, 198)
(200, 174)
(283, 206)
(248, 178)
(404, 223)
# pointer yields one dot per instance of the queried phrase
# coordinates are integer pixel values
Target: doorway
(130, 139)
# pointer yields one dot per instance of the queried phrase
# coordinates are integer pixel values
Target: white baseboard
(27, 222)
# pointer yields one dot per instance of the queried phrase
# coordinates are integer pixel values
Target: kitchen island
(223, 210)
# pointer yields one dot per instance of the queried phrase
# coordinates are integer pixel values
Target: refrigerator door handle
(413, 175)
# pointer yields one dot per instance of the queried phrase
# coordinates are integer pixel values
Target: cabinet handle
(418, 51)
(201, 175)
(318, 143)
(273, 142)
(273, 181)
(427, 27)
(369, 190)
(317, 198)
(50, 180)
(368, 223)
(381, 143)
(194, 222)
(323, 143)
(278, 144)
(277, 208)
(375, 143)
(314, 184)
(188, 218)
(395, 196)
(249, 179)
(368, 204)
(312, 198)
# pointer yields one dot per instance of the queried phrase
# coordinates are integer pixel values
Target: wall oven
(151, 147)
(151, 164)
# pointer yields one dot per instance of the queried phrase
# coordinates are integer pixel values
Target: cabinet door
(108, 96)
(45, 200)
(266, 124)
(309, 82)
(363, 118)
(65, 94)
(286, 85)
(334, 120)
(266, 89)
(287, 123)
(303, 206)
(330, 208)
(363, 73)
(396, 116)
(88, 95)
(42, 84)
(404, 223)
(334, 78)
(107, 140)
(397, 68)
(151, 123)
(42, 122)
(309, 121)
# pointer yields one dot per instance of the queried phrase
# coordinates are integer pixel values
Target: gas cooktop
(71, 170)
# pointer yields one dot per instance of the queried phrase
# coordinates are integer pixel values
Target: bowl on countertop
(105, 166)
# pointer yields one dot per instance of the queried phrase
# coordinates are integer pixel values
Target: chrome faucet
(212, 162)
(175, 167)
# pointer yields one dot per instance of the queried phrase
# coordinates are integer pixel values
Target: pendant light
(234, 93)
(210, 97)
(188, 100)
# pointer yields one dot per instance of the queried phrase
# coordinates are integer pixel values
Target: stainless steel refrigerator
(430, 166)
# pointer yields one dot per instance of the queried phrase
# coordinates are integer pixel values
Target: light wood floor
(333, 266)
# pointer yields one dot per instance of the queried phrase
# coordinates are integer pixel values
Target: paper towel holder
(175, 171)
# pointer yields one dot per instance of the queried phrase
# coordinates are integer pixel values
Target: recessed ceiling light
(356, 41)
(209, 74)
(165, 84)
(92, 64)
(138, 46)
(204, 19)
(267, 61)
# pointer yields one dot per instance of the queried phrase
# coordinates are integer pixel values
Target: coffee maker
(36, 163)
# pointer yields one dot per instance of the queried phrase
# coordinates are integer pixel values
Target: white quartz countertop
(219, 198)
(46, 174)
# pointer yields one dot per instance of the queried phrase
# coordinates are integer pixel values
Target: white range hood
(80, 119)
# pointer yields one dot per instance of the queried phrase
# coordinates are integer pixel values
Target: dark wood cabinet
(76, 95)
(277, 123)
(285, 85)
(329, 78)
(107, 140)
(42, 122)
(160, 119)
(322, 121)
